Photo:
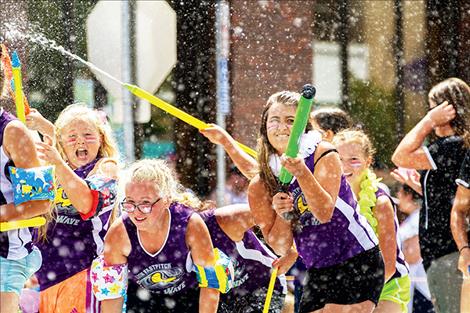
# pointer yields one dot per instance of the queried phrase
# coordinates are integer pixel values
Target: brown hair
(456, 92)
(265, 149)
(331, 118)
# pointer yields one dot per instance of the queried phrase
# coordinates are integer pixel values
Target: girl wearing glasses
(84, 155)
(439, 162)
(356, 153)
(157, 237)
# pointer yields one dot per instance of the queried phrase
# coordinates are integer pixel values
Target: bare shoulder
(195, 225)
(383, 207)
(322, 147)
(117, 237)
(256, 185)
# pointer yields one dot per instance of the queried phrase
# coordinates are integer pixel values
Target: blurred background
(221, 60)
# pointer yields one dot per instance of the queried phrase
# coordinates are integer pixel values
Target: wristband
(464, 247)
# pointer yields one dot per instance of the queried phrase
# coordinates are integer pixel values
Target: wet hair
(164, 179)
(456, 92)
(331, 118)
(108, 147)
(265, 149)
(355, 136)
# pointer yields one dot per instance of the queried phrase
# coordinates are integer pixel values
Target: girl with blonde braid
(356, 153)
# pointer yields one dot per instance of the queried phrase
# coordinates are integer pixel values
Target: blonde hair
(265, 149)
(108, 147)
(164, 179)
(355, 136)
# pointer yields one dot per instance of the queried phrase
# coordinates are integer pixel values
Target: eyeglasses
(144, 208)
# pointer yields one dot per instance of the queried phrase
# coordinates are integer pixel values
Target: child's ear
(328, 135)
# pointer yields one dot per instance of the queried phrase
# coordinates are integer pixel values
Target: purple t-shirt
(251, 258)
(72, 243)
(346, 235)
(169, 270)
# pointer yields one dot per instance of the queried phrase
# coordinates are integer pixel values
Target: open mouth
(81, 154)
(347, 175)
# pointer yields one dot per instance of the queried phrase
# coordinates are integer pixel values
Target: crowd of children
(158, 248)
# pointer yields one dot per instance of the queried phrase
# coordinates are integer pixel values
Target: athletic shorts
(251, 302)
(15, 273)
(71, 295)
(397, 290)
(140, 300)
(356, 280)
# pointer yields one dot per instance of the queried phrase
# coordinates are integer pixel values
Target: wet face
(353, 159)
(152, 205)
(278, 125)
(81, 141)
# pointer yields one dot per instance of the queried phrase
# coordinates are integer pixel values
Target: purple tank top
(14, 244)
(169, 270)
(346, 235)
(401, 267)
(251, 258)
(72, 243)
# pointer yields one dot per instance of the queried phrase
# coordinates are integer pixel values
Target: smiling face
(81, 141)
(278, 125)
(353, 159)
(145, 193)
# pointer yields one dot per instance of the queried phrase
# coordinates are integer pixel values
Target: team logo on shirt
(162, 278)
(63, 203)
(300, 204)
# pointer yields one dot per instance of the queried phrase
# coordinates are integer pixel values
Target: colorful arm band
(36, 183)
(220, 276)
(109, 282)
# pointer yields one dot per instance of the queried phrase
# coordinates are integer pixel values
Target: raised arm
(202, 251)
(410, 152)
(117, 247)
(245, 163)
(77, 190)
(19, 146)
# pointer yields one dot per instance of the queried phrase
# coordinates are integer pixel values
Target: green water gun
(302, 116)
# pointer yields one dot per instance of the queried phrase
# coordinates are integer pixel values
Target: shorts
(140, 300)
(397, 290)
(251, 302)
(356, 280)
(71, 295)
(15, 273)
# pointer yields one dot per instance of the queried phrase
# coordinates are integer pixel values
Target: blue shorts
(14, 273)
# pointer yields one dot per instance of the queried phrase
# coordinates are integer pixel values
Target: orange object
(8, 73)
